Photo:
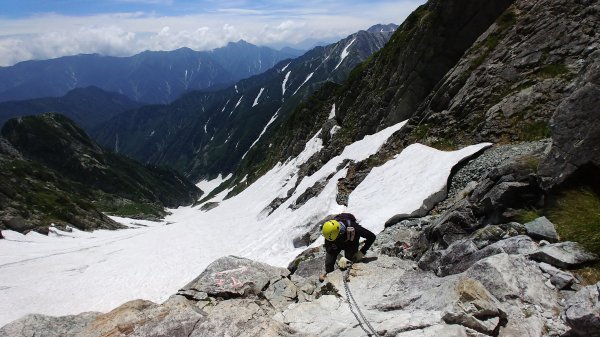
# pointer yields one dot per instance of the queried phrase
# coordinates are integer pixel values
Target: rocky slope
(206, 133)
(151, 76)
(54, 172)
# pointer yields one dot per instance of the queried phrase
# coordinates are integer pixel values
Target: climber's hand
(343, 263)
(322, 277)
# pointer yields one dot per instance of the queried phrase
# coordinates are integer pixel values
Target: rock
(583, 311)
(233, 276)
(463, 254)
(542, 229)
(543, 243)
(575, 128)
(511, 277)
(18, 224)
(281, 293)
(208, 206)
(487, 235)
(241, 317)
(562, 280)
(177, 317)
(563, 255)
(504, 194)
(475, 308)
(548, 269)
(454, 224)
(47, 326)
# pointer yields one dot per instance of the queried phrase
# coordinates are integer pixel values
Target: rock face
(576, 128)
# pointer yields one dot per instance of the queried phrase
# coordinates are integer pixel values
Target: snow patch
(334, 129)
(257, 97)
(287, 76)
(208, 186)
(284, 68)
(402, 184)
(263, 131)
(332, 113)
(344, 54)
(303, 83)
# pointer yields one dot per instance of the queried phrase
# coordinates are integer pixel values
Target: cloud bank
(52, 35)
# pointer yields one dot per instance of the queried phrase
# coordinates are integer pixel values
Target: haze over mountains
(150, 77)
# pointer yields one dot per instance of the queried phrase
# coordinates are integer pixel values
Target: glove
(343, 263)
(322, 277)
(358, 256)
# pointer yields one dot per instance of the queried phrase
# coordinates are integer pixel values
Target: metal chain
(351, 301)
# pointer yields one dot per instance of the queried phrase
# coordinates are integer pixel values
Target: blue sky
(41, 29)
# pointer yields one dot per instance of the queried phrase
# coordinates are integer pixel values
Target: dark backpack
(347, 218)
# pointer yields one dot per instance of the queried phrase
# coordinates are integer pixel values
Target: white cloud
(123, 34)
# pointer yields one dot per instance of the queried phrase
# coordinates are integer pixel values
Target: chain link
(352, 302)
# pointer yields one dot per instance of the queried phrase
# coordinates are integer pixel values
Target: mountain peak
(381, 28)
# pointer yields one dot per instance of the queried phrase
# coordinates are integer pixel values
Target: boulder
(562, 280)
(475, 308)
(563, 255)
(233, 276)
(47, 326)
(487, 235)
(583, 312)
(18, 224)
(542, 229)
(177, 317)
(513, 277)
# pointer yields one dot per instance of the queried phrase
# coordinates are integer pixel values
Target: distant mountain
(47, 158)
(204, 134)
(88, 107)
(151, 76)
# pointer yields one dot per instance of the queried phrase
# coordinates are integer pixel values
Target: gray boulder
(542, 229)
(177, 317)
(563, 255)
(233, 276)
(47, 326)
(583, 312)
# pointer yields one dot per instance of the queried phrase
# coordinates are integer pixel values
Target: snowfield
(72, 272)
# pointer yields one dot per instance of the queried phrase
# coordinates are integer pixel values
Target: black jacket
(350, 247)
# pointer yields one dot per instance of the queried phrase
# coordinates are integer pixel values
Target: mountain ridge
(150, 76)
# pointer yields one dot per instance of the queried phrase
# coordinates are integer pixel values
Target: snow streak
(345, 53)
(303, 83)
(257, 97)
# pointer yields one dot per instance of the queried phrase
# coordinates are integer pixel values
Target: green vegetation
(552, 71)
(533, 131)
(576, 214)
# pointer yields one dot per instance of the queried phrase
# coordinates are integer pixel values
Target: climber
(344, 233)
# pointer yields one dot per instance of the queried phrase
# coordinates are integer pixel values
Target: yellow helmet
(331, 230)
